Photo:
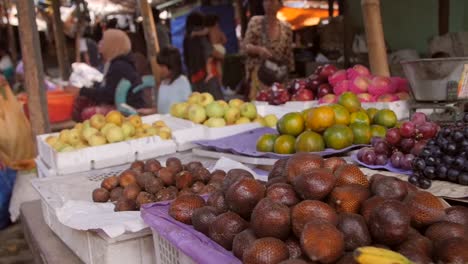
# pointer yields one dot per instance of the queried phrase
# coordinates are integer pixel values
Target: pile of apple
(201, 108)
(101, 130)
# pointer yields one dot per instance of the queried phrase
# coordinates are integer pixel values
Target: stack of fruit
(148, 182)
(101, 130)
(201, 108)
(444, 157)
(336, 126)
(319, 210)
(400, 145)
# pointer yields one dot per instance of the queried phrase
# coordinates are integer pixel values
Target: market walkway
(13, 247)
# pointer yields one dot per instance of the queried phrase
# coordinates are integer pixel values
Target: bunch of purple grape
(444, 157)
(401, 145)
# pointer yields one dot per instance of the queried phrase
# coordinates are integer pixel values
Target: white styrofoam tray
(91, 158)
(96, 247)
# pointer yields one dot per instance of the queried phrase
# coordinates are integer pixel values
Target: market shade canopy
(302, 17)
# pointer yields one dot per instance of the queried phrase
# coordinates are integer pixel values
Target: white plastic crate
(96, 247)
(166, 253)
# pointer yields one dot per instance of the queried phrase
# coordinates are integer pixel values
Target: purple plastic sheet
(192, 243)
(245, 144)
(387, 166)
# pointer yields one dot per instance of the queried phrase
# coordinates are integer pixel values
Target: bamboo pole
(33, 67)
(62, 54)
(152, 43)
(375, 37)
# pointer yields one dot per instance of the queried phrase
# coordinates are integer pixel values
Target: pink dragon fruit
(365, 98)
(341, 87)
(337, 77)
(328, 99)
(387, 98)
(399, 84)
(380, 85)
(357, 70)
(359, 85)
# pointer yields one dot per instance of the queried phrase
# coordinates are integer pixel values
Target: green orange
(362, 133)
(350, 101)
(378, 131)
(338, 137)
(386, 118)
(285, 144)
(371, 112)
(291, 124)
(359, 117)
(342, 116)
(320, 118)
(266, 142)
(309, 141)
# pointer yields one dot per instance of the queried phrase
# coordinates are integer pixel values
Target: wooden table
(45, 246)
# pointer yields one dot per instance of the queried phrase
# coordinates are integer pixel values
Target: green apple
(86, 124)
(64, 135)
(235, 102)
(88, 132)
(271, 120)
(51, 140)
(196, 114)
(223, 104)
(214, 109)
(106, 128)
(97, 121)
(59, 145)
(128, 129)
(206, 99)
(97, 140)
(74, 137)
(115, 134)
(232, 114)
(178, 109)
(248, 110)
(242, 120)
(215, 122)
(260, 120)
(194, 98)
(67, 148)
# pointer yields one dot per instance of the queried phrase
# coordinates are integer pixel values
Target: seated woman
(174, 87)
(115, 48)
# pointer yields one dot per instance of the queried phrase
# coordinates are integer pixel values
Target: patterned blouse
(281, 48)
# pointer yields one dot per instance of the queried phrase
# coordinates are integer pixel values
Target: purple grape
(369, 157)
(381, 159)
(414, 179)
(396, 159)
(418, 147)
(407, 162)
(406, 144)
(375, 140)
(382, 148)
(361, 153)
(424, 183)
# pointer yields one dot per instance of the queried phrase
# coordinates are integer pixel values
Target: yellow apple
(260, 120)
(135, 120)
(223, 104)
(67, 148)
(97, 121)
(165, 129)
(271, 120)
(242, 120)
(114, 117)
(235, 102)
(106, 128)
(97, 140)
(159, 123)
(206, 99)
(165, 135)
(151, 131)
(88, 132)
(79, 126)
(231, 116)
(196, 114)
(115, 134)
(146, 126)
(51, 140)
(63, 136)
(86, 124)
(128, 129)
(194, 98)
(74, 137)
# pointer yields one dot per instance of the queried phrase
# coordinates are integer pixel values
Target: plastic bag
(17, 149)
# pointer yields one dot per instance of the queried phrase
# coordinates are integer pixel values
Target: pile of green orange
(335, 126)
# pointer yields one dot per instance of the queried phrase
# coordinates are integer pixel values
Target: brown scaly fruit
(197, 187)
(125, 205)
(453, 251)
(242, 242)
(375, 177)
(266, 250)
(369, 205)
(142, 178)
(218, 184)
(276, 180)
(167, 176)
(350, 174)
(217, 201)
(333, 163)
(152, 165)
(182, 208)
(225, 227)
(308, 210)
(314, 185)
(116, 193)
(208, 190)
(243, 195)
(110, 183)
(347, 258)
(390, 223)
(348, 198)
(278, 170)
(271, 219)
(389, 188)
(302, 163)
(184, 179)
(191, 166)
(417, 257)
(440, 231)
(202, 174)
(322, 241)
(166, 194)
(282, 193)
(294, 261)
(457, 214)
(218, 175)
(294, 248)
(174, 164)
(127, 177)
(233, 176)
(154, 185)
(145, 198)
(101, 195)
(425, 208)
(203, 217)
(354, 229)
(184, 192)
(131, 191)
(417, 242)
(137, 166)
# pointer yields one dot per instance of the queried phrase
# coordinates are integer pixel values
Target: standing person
(162, 31)
(218, 40)
(6, 64)
(266, 38)
(197, 52)
(89, 52)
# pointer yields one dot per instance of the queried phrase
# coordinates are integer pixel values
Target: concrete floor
(13, 246)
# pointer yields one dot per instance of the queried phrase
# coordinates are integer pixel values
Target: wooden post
(348, 34)
(33, 67)
(444, 13)
(62, 54)
(152, 44)
(375, 37)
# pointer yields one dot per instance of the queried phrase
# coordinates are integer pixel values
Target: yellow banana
(374, 255)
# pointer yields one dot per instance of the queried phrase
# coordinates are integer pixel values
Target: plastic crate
(166, 253)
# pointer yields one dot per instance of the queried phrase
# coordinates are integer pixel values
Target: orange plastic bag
(17, 148)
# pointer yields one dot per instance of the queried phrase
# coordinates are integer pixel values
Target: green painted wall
(411, 23)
